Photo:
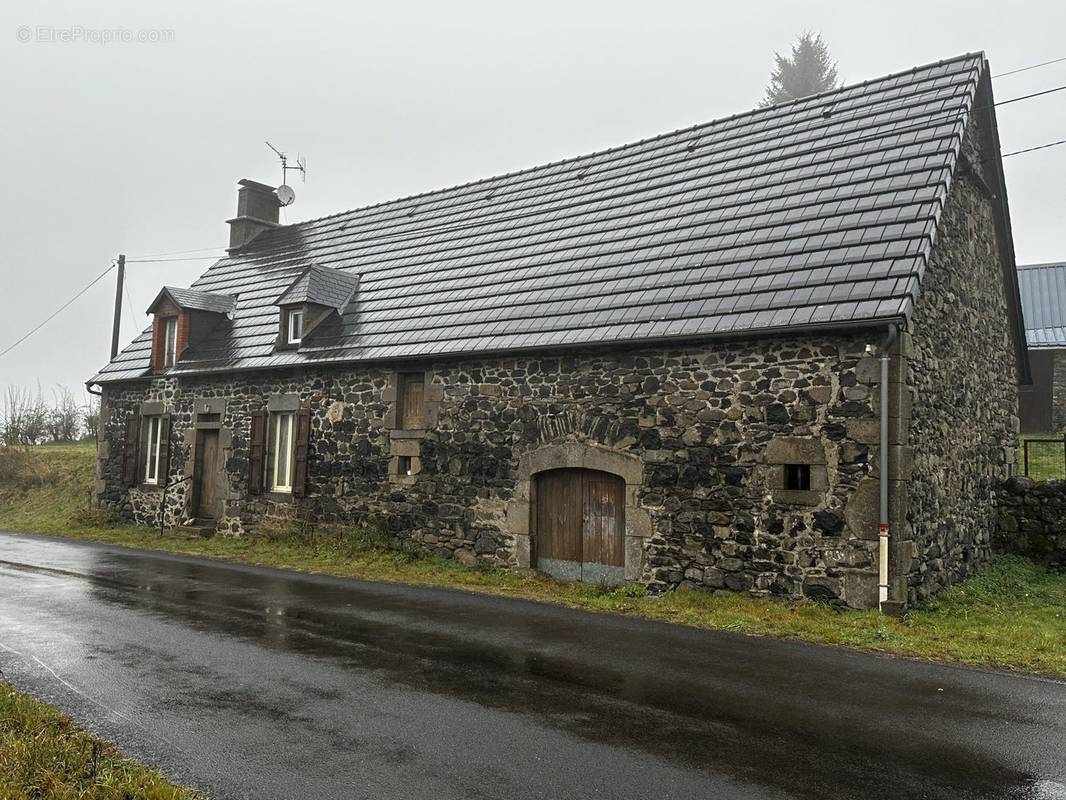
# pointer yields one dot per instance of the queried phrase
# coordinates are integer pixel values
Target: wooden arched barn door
(580, 525)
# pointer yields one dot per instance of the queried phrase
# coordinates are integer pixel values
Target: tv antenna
(286, 196)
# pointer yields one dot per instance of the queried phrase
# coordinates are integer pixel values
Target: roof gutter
(826, 328)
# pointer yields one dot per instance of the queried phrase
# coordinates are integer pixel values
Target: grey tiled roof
(332, 288)
(819, 212)
(1043, 289)
(193, 300)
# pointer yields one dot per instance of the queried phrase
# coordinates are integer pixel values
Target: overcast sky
(137, 147)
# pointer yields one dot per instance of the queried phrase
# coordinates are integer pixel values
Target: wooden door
(559, 523)
(207, 476)
(580, 525)
(1035, 400)
(603, 550)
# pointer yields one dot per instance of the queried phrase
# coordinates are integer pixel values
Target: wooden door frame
(521, 509)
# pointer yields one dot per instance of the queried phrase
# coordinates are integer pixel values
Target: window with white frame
(296, 326)
(170, 341)
(283, 451)
(151, 466)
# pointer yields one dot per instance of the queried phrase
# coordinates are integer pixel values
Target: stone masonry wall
(711, 425)
(961, 393)
(1032, 520)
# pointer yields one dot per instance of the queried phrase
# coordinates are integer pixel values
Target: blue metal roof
(1043, 290)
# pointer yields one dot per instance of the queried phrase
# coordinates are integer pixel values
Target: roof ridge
(1042, 265)
(697, 126)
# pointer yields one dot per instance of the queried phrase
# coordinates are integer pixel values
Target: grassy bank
(45, 755)
(1011, 615)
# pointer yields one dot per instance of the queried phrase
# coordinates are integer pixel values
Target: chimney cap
(256, 185)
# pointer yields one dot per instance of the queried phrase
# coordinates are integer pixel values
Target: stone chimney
(257, 211)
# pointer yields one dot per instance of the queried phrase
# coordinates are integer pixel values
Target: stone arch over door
(521, 521)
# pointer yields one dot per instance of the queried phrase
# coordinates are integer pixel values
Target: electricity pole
(118, 304)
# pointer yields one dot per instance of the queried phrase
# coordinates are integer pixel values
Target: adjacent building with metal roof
(1043, 294)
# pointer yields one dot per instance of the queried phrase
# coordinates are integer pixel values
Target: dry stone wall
(1032, 520)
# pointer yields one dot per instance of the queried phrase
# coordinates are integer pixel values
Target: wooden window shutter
(257, 452)
(413, 390)
(162, 477)
(158, 337)
(301, 446)
(131, 449)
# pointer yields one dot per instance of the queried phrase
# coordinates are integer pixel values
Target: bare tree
(90, 418)
(27, 419)
(25, 416)
(64, 417)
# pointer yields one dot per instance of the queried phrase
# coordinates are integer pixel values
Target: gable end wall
(962, 378)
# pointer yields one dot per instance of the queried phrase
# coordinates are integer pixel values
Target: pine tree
(808, 71)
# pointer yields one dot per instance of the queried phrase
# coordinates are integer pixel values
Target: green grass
(1010, 615)
(1047, 459)
(45, 755)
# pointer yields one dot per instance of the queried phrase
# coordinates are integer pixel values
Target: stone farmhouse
(776, 353)
(1042, 403)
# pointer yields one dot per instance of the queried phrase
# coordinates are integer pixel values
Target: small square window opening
(404, 467)
(798, 477)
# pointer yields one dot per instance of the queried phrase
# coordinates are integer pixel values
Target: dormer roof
(194, 300)
(331, 288)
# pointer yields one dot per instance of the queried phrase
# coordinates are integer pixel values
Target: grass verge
(44, 754)
(1010, 615)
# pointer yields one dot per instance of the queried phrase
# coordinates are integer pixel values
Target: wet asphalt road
(260, 683)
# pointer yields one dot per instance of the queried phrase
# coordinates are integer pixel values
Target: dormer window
(296, 326)
(170, 341)
(180, 318)
(316, 299)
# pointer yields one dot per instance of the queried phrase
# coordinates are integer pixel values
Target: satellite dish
(286, 196)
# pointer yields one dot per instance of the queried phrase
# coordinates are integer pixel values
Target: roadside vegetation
(43, 754)
(1011, 615)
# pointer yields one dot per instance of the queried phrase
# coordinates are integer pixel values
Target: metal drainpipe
(883, 526)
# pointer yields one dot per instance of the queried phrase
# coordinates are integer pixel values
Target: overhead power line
(161, 260)
(129, 297)
(1031, 149)
(1028, 96)
(1031, 66)
(220, 248)
(57, 312)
